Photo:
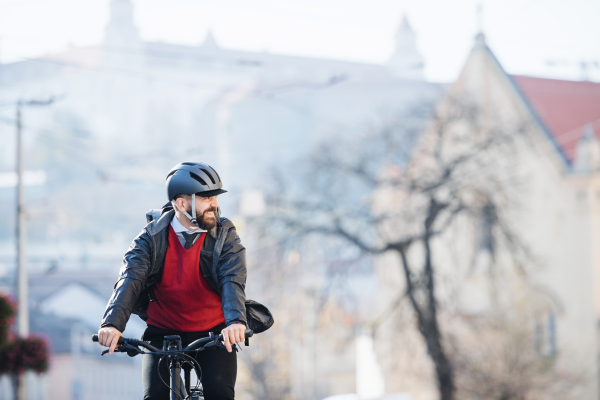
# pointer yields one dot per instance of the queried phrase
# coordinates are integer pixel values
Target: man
(185, 275)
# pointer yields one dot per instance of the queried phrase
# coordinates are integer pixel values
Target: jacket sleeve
(232, 279)
(132, 277)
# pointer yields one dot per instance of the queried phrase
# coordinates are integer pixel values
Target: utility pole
(22, 284)
(21, 236)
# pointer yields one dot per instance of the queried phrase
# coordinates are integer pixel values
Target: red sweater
(185, 301)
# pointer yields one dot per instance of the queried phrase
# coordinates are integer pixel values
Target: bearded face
(207, 219)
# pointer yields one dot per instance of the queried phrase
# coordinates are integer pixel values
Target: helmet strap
(192, 217)
(193, 220)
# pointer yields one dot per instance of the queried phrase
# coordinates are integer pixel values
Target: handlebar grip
(249, 333)
(119, 342)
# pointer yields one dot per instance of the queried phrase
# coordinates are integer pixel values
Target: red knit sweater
(185, 301)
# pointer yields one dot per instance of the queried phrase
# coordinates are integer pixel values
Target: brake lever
(220, 345)
(117, 350)
(126, 348)
(217, 344)
(131, 350)
(212, 344)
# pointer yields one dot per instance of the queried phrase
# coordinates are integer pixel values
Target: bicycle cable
(195, 370)
(198, 371)
(163, 381)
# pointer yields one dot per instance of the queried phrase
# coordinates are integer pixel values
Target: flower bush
(18, 355)
(7, 313)
(24, 354)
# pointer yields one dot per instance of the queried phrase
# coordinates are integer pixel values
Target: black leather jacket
(222, 263)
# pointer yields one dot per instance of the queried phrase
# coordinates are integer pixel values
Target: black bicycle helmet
(193, 178)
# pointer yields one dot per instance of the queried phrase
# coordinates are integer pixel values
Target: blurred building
(77, 371)
(65, 308)
(128, 110)
(558, 169)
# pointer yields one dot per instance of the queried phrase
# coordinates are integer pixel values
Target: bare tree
(266, 363)
(304, 308)
(400, 188)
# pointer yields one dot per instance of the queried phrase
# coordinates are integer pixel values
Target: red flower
(18, 355)
(24, 354)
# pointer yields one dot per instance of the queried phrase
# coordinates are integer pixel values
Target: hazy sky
(524, 34)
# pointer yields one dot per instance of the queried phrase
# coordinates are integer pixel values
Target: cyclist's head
(206, 209)
(189, 180)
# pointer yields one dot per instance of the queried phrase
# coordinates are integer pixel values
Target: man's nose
(214, 202)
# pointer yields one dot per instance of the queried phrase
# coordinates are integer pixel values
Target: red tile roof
(564, 107)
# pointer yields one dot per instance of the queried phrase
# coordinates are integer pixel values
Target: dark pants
(219, 367)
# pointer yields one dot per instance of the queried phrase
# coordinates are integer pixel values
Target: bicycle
(178, 359)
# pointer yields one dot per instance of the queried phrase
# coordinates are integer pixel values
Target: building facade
(553, 300)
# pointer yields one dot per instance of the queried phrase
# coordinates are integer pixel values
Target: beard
(206, 222)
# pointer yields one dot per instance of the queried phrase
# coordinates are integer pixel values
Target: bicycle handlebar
(197, 343)
(120, 341)
(192, 346)
(134, 342)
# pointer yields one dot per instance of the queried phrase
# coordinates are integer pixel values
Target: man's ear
(180, 203)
